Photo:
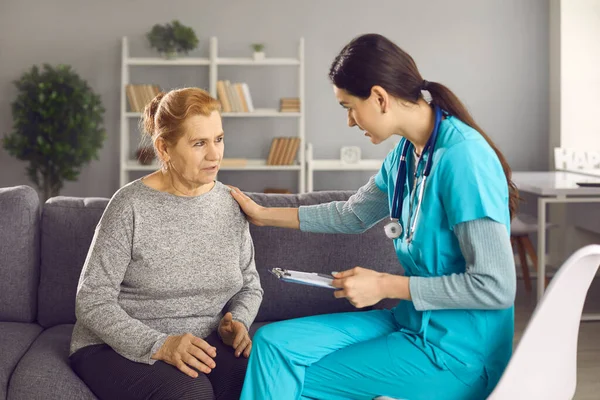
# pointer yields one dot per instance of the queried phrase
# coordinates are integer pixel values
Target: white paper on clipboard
(303, 278)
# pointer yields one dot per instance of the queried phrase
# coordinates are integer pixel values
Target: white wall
(580, 74)
(492, 53)
(574, 121)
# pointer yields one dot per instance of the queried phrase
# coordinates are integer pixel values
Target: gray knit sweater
(161, 264)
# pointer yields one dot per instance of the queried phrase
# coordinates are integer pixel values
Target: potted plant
(172, 39)
(259, 53)
(57, 126)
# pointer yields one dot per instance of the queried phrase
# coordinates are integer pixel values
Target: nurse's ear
(381, 98)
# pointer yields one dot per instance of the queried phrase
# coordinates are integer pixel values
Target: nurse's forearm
(280, 217)
(395, 287)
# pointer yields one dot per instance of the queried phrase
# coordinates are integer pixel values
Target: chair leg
(532, 255)
(523, 257)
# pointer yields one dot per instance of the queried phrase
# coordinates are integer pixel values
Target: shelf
(260, 165)
(266, 112)
(261, 112)
(338, 165)
(252, 165)
(251, 61)
(157, 61)
(209, 64)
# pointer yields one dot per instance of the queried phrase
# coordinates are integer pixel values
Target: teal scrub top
(466, 183)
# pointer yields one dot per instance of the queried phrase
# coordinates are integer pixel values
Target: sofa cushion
(16, 337)
(47, 364)
(310, 252)
(19, 253)
(68, 226)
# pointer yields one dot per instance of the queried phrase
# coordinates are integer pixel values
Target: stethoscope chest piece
(393, 229)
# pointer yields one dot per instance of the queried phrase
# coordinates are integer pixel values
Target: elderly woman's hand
(234, 334)
(185, 351)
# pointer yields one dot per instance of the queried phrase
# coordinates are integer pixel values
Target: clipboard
(303, 278)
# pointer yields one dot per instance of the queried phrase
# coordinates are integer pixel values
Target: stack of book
(283, 151)
(289, 104)
(139, 96)
(234, 97)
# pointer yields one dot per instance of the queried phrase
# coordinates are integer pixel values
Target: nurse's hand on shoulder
(365, 287)
(185, 351)
(248, 206)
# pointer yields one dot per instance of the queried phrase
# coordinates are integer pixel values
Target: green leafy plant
(57, 126)
(258, 47)
(172, 38)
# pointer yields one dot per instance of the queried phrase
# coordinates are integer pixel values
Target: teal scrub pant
(357, 355)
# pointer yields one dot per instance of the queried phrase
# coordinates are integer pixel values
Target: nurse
(447, 195)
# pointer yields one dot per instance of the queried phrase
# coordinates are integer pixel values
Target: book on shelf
(138, 96)
(234, 162)
(234, 97)
(289, 104)
(283, 151)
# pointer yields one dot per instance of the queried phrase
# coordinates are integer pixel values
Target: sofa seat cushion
(16, 339)
(44, 371)
(47, 364)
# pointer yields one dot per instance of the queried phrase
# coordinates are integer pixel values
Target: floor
(588, 357)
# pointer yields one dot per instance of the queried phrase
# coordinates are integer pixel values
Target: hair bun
(150, 114)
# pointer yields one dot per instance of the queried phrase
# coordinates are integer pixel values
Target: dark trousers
(112, 376)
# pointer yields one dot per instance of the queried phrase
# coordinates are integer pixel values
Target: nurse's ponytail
(448, 101)
(372, 59)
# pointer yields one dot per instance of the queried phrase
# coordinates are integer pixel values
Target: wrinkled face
(198, 153)
(366, 114)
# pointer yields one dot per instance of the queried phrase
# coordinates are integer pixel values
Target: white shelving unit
(313, 165)
(128, 163)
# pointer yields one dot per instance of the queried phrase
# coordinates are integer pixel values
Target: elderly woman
(169, 288)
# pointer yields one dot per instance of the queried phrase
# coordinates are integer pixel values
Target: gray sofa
(42, 250)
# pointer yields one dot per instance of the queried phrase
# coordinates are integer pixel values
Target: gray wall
(492, 53)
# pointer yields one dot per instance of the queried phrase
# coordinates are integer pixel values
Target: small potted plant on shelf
(259, 53)
(171, 39)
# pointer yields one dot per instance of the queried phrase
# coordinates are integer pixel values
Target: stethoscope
(394, 229)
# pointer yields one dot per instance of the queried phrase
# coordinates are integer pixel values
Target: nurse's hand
(252, 210)
(361, 286)
(365, 287)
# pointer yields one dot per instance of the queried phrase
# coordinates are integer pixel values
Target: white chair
(543, 367)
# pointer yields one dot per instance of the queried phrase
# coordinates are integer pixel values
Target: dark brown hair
(164, 116)
(372, 59)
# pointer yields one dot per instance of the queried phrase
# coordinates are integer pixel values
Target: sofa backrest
(68, 226)
(67, 229)
(19, 253)
(312, 252)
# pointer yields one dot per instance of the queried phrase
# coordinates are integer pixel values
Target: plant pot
(170, 55)
(259, 55)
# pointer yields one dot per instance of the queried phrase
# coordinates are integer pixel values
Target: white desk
(555, 187)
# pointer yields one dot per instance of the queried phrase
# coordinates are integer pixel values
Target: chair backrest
(544, 365)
